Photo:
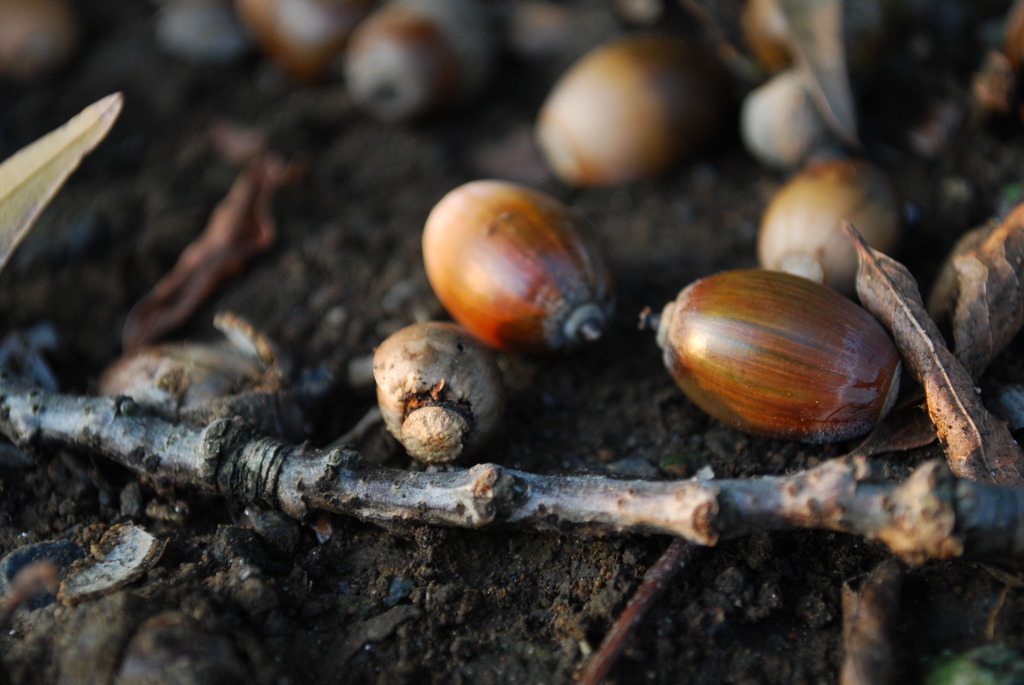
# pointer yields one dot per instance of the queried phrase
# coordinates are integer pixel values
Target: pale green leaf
(31, 176)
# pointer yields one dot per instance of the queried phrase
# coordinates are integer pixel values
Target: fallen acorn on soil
(779, 355)
(517, 267)
(439, 390)
(780, 124)
(413, 57)
(630, 109)
(800, 229)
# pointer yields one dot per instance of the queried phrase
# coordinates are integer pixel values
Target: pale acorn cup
(439, 391)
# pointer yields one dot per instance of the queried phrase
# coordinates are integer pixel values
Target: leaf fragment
(32, 176)
(240, 227)
(816, 32)
(977, 445)
(981, 291)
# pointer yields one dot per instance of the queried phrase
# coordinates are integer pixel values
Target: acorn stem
(649, 321)
(586, 322)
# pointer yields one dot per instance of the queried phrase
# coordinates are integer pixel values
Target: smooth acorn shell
(779, 355)
(801, 227)
(302, 36)
(516, 267)
(781, 126)
(413, 57)
(631, 109)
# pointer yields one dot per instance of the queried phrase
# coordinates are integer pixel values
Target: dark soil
(251, 596)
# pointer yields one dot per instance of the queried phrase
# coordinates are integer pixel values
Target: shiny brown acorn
(413, 57)
(303, 36)
(800, 229)
(37, 37)
(517, 267)
(779, 355)
(631, 109)
(439, 390)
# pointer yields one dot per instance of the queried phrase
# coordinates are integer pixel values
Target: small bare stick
(656, 581)
(931, 515)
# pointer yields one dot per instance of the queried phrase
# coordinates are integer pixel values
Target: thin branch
(656, 581)
(932, 515)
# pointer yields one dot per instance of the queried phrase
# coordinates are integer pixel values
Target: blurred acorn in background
(37, 37)
(414, 57)
(801, 228)
(631, 109)
(781, 126)
(303, 36)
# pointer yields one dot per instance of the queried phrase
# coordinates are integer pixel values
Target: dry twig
(930, 516)
(656, 581)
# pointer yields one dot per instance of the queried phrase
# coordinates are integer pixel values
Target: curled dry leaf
(993, 87)
(240, 227)
(236, 142)
(977, 445)
(906, 427)
(816, 31)
(32, 176)
(980, 291)
(869, 617)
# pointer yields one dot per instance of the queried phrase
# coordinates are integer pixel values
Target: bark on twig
(868, 618)
(930, 516)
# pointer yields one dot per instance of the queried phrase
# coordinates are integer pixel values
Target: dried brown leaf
(239, 227)
(816, 30)
(977, 445)
(236, 142)
(982, 288)
(906, 427)
(946, 290)
(993, 87)
(869, 617)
